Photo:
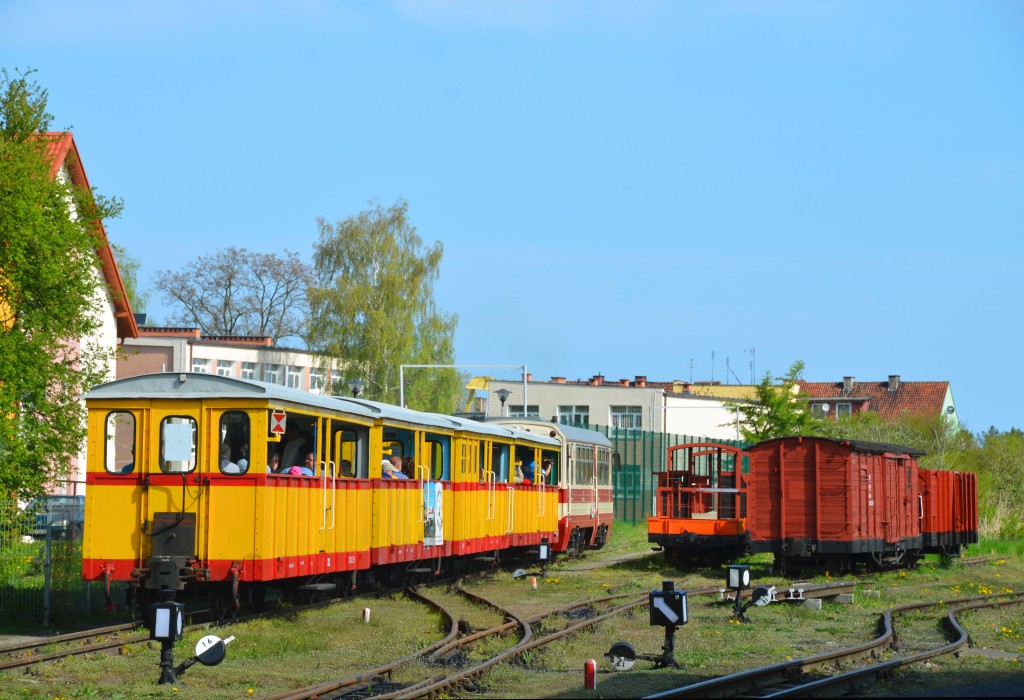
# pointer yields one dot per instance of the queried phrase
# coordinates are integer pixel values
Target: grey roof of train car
(498, 429)
(198, 385)
(571, 432)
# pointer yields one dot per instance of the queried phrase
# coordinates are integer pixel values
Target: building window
(293, 378)
(225, 368)
(200, 365)
(574, 415)
(516, 410)
(316, 380)
(248, 370)
(627, 417)
(819, 410)
(272, 374)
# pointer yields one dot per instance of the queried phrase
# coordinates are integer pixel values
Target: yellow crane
(475, 384)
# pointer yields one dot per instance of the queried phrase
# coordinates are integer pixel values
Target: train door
(170, 495)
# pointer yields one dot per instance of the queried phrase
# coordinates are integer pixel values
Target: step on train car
(219, 489)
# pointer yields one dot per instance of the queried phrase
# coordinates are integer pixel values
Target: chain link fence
(41, 562)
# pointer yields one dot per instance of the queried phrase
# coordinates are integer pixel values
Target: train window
(499, 462)
(178, 444)
(584, 465)
(604, 467)
(346, 443)
(234, 442)
(119, 448)
(438, 461)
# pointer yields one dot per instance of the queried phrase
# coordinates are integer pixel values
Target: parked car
(65, 516)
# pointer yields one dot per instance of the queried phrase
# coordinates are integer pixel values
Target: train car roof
(858, 445)
(501, 430)
(571, 433)
(197, 385)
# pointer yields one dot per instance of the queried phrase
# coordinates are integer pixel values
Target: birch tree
(372, 308)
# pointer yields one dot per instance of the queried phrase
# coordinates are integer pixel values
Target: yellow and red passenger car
(180, 495)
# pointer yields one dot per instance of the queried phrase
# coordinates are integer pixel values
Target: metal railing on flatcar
(642, 453)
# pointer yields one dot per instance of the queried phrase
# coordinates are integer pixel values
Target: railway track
(806, 677)
(531, 635)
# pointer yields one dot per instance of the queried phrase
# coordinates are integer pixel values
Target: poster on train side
(433, 525)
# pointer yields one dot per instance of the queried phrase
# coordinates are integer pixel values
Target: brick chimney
(894, 382)
(847, 385)
(641, 380)
(558, 380)
(597, 380)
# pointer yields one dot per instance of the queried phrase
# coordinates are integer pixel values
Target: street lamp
(503, 397)
(355, 386)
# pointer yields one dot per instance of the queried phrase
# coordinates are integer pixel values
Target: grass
(269, 656)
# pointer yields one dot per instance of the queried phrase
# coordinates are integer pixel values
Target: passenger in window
(392, 468)
(529, 469)
(545, 470)
(274, 465)
(346, 468)
(226, 465)
(294, 446)
(409, 467)
(309, 469)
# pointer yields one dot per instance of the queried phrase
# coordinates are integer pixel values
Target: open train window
(119, 447)
(500, 462)
(349, 453)
(178, 444)
(234, 448)
(438, 462)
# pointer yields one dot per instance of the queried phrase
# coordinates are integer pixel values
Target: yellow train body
(183, 490)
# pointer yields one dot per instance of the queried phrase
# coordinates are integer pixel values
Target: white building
(661, 407)
(110, 302)
(187, 350)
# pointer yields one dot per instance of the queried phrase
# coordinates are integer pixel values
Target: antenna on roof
(753, 371)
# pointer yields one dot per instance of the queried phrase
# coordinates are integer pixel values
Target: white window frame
(293, 376)
(626, 417)
(516, 410)
(316, 380)
(200, 365)
(249, 370)
(272, 374)
(578, 415)
(225, 368)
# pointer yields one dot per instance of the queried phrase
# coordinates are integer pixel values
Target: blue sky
(621, 188)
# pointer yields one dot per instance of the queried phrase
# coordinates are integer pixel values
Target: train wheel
(222, 607)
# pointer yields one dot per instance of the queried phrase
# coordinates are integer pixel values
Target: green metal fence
(641, 454)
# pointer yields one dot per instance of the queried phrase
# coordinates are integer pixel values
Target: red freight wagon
(949, 510)
(818, 502)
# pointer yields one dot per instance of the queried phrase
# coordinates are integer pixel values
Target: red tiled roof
(909, 398)
(62, 150)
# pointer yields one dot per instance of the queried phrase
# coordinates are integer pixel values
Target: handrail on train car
(489, 480)
(334, 494)
(541, 503)
(511, 508)
(424, 480)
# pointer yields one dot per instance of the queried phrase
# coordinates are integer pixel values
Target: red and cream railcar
(700, 507)
(582, 467)
(180, 495)
(949, 510)
(834, 503)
